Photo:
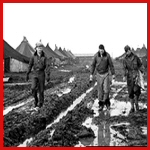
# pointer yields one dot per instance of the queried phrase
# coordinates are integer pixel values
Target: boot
(136, 103)
(101, 105)
(107, 103)
(132, 105)
(106, 100)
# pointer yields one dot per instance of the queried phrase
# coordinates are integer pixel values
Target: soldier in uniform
(41, 70)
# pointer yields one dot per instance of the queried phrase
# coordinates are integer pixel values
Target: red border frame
(63, 1)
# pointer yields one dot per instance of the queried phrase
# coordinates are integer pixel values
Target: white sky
(79, 27)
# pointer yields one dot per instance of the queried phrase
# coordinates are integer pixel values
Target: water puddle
(118, 139)
(144, 130)
(105, 135)
(59, 92)
(10, 108)
(26, 142)
(13, 84)
(65, 70)
(71, 79)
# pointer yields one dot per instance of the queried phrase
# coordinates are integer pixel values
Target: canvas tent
(53, 54)
(25, 48)
(61, 51)
(57, 51)
(66, 53)
(71, 54)
(13, 60)
(56, 57)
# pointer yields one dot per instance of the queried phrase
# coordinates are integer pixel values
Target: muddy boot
(101, 105)
(106, 100)
(132, 106)
(136, 103)
(107, 103)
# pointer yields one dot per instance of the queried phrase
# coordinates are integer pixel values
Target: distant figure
(132, 65)
(40, 68)
(101, 64)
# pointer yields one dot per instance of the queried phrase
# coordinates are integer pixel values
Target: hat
(39, 44)
(101, 47)
(126, 48)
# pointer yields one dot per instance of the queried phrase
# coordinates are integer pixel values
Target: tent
(53, 54)
(56, 57)
(13, 60)
(66, 53)
(25, 48)
(70, 53)
(59, 53)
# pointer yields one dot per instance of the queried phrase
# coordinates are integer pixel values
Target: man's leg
(137, 91)
(100, 91)
(41, 90)
(130, 85)
(106, 87)
(34, 90)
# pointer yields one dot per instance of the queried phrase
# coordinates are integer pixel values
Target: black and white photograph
(75, 74)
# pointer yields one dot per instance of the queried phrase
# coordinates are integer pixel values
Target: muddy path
(86, 126)
(23, 122)
(70, 116)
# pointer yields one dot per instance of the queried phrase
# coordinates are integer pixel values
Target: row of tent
(16, 60)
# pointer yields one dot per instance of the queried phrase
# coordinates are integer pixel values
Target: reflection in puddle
(104, 134)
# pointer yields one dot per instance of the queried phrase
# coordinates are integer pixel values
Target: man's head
(101, 49)
(39, 47)
(127, 50)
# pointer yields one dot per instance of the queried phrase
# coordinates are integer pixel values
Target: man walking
(40, 69)
(101, 64)
(132, 65)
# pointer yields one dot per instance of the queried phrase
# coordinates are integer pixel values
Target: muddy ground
(70, 115)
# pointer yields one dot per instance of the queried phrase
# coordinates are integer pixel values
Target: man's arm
(125, 70)
(93, 65)
(47, 69)
(140, 65)
(111, 65)
(30, 65)
(29, 68)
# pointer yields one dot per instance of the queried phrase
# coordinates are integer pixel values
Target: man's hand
(124, 79)
(27, 77)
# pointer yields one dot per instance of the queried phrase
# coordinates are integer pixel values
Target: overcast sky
(79, 27)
